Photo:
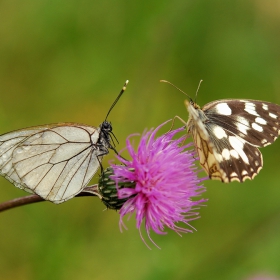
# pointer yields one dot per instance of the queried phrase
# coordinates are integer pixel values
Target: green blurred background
(67, 60)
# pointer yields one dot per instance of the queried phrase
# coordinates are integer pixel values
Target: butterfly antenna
(197, 90)
(164, 81)
(117, 99)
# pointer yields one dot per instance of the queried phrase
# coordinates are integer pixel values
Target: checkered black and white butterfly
(55, 161)
(227, 134)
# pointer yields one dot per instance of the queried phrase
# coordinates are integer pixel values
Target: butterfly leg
(173, 120)
(180, 119)
(117, 153)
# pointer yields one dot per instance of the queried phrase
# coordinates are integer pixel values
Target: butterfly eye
(106, 126)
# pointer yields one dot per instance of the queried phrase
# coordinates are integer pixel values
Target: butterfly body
(55, 161)
(227, 134)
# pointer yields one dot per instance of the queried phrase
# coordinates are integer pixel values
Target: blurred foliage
(67, 61)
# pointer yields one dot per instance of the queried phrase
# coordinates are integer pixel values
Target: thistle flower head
(158, 183)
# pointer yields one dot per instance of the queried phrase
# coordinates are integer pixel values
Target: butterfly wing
(227, 133)
(233, 159)
(54, 161)
(206, 153)
(257, 122)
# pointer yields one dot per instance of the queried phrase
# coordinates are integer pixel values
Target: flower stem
(20, 201)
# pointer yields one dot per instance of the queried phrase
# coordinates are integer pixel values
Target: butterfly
(55, 161)
(227, 134)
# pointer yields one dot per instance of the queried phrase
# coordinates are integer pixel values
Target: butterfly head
(106, 136)
(191, 103)
(194, 112)
(106, 130)
(106, 127)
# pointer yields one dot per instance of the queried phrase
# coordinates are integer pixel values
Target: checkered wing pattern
(227, 134)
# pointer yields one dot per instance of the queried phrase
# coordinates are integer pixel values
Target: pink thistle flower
(158, 183)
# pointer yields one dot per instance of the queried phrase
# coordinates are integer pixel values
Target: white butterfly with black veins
(227, 134)
(55, 161)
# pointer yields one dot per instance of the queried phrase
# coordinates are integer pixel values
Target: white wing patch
(238, 146)
(219, 132)
(257, 127)
(54, 161)
(272, 115)
(226, 154)
(223, 109)
(251, 109)
(242, 124)
(260, 121)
